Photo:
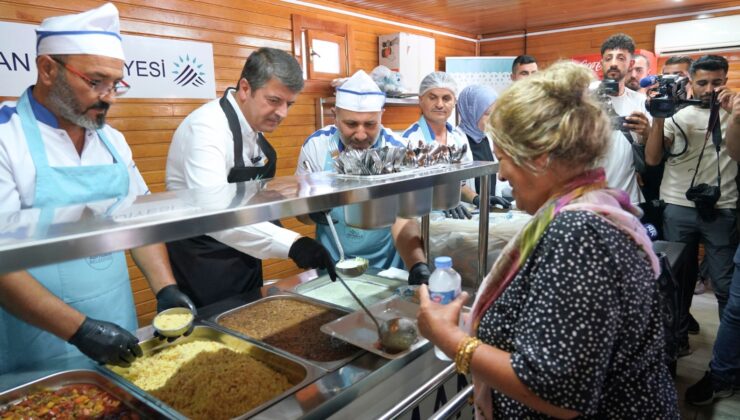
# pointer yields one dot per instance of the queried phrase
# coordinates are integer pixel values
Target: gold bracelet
(465, 354)
(460, 348)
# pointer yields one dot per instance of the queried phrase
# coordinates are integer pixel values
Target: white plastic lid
(443, 262)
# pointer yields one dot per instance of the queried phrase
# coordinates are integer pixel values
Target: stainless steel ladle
(397, 334)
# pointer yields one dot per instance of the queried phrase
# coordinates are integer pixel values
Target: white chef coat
(17, 171)
(202, 154)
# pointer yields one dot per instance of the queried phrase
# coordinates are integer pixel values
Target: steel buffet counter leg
(425, 237)
(483, 229)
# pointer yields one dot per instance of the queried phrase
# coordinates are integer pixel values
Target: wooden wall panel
(235, 28)
(549, 48)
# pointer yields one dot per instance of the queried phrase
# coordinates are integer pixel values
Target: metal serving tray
(358, 329)
(328, 366)
(299, 374)
(325, 290)
(83, 376)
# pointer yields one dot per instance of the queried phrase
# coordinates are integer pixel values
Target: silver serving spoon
(397, 334)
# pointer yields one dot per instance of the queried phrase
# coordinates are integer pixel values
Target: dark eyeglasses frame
(117, 89)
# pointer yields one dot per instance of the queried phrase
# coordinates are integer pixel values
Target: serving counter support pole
(483, 229)
(425, 237)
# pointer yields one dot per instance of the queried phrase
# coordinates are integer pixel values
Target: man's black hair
(522, 59)
(679, 59)
(266, 63)
(618, 42)
(709, 63)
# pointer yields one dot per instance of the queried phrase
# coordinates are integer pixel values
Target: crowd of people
(567, 323)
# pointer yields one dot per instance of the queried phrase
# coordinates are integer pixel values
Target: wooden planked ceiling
(490, 17)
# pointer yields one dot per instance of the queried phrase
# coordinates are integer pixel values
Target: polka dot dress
(581, 320)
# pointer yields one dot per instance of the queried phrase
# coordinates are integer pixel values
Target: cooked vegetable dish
(79, 401)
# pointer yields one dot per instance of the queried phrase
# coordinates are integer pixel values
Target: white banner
(154, 67)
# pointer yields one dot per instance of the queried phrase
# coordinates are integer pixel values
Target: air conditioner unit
(695, 36)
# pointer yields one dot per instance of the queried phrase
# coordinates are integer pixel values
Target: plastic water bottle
(444, 287)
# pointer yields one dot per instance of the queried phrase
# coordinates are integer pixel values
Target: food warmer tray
(57, 380)
(299, 373)
(327, 366)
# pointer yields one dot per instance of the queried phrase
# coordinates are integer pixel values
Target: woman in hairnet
(474, 106)
(437, 98)
(568, 322)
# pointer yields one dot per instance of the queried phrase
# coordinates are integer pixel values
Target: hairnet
(473, 102)
(438, 80)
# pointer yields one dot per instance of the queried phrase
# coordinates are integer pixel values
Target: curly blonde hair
(551, 112)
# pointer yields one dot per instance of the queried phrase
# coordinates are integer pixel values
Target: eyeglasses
(103, 89)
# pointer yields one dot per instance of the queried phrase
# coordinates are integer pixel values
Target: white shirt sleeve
(204, 159)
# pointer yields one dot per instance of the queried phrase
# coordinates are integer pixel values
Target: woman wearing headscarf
(474, 106)
(567, 323)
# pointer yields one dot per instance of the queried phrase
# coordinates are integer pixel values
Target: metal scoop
(397, 334)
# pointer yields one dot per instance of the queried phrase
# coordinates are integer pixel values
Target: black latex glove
(307, 253)
(320, 218)
(459, 212)
(171, 297)
(106, 343)
(493, 200)
(419, 274)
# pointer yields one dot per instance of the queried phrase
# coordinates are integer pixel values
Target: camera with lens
(670, 97)
(704, 197)
(603, 91)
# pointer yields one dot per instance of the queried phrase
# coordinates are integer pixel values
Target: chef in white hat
(437, 99)
(357, 124)
(57, 150)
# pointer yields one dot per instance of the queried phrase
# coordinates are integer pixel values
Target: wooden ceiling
(490, 17)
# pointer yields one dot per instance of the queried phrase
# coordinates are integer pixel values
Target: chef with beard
(56, 150)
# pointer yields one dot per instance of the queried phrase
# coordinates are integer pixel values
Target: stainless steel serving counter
(34, 237)
(367, 387)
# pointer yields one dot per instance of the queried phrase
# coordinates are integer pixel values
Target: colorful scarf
(587, 192)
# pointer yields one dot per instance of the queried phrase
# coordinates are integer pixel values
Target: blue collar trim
(41, 112)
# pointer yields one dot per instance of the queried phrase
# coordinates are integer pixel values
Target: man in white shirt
(222, 142)
(698, 155)
(56, 150)
(358, 112)
(632, 121)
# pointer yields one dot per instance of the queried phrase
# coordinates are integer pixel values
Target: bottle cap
(443, 262)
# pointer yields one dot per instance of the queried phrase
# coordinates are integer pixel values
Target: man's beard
(62, 102)
(620, 76)
(632, 83)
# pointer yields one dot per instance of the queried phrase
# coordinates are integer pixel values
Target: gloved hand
(320, 218)
(171, 297)
(459, 212)
(493, 200)
(106, 343)
(419, 274)
(307, 253)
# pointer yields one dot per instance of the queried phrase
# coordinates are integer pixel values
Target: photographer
(724, 368)
(698, 185)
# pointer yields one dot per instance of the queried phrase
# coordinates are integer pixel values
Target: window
(321, 47)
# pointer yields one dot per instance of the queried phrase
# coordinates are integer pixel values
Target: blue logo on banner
(189, 72)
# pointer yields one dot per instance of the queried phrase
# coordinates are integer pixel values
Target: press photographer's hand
(639, 123)
(725, 98)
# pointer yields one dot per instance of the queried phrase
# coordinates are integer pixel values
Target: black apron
(205, 269)
(482, 152)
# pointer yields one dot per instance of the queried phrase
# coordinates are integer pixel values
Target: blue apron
(97, 286)
(374, 244)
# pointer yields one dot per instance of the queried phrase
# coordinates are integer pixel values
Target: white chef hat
(95, 32)
(360, 94)
(438, 80)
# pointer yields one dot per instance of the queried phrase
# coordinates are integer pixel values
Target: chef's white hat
(360, 94)
(95, 32)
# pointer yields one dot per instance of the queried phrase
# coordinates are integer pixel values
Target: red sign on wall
(593, 61)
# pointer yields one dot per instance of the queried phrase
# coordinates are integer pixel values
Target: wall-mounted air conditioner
(695, 36)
